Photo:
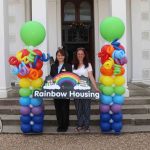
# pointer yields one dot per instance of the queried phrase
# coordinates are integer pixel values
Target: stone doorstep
(136, 119)
(13, 129)
(136, 100)
(50, 109)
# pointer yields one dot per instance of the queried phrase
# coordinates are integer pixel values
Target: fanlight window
(85, 11)
(69, 11)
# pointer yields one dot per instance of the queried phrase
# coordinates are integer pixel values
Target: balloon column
(113, 58)
(27, 65)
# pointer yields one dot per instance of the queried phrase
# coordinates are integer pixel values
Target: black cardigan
(54, 69)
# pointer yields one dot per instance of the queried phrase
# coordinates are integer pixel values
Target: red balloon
(39, 64)
(25, 52)
(103, 54)
(38, 52)
(13, 61)
(40, 73)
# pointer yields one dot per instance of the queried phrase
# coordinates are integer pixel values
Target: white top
(82, 70)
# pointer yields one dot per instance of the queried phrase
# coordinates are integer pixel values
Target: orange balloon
(106, 72)
(33, 74)
(40, 73)
(110, 50)
(20, 76)
(122, 72)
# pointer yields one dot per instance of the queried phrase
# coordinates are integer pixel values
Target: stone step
(50, 109)
(136, 100)
(50, 120)
(139, 93)
(13, 129)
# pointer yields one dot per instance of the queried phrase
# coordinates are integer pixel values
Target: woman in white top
(81, 66)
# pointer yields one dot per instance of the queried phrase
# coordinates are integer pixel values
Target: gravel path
(140, 141)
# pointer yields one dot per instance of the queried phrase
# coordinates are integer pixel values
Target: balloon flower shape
(27, 66)
(113, 58)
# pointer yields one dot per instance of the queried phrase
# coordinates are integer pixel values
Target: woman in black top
(61, 105)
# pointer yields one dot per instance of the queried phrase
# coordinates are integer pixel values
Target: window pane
(69, 12)
(85, 11)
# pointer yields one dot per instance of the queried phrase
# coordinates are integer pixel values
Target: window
(69, 11)
(85, 11)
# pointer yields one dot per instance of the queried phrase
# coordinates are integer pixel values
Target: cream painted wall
(140, 11)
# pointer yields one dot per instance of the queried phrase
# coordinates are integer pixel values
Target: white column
(4, 45)
(39, 13)
(54, 25)
(118, 9)
(101, 11)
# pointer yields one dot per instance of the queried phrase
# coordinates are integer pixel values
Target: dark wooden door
(78, 27)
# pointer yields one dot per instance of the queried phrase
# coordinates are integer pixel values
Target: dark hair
(85, 60)
(63, 53)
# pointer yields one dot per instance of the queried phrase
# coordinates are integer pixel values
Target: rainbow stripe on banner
(66, 77)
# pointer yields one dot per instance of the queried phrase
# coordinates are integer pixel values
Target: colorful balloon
(108, 90)
(24, 83)
(112, 28)
(119, 80)
(106, 72)
(24, 101)
(37, 83)
(115, 108)
(107, 100)
(25, 92)
(119, 90)
(105, 117)
(32, 33)
(25, 110)
(118, 99)
(104, 108)
(107, 80)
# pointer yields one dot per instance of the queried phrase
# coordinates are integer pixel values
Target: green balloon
(25, 92)
(32, 33)
(112, 28)
(119, 90)
(101, 87)
(108, 90)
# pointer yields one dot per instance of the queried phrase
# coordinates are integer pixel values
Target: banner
(66, 85)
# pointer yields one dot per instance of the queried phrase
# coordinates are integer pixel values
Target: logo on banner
(66, 85)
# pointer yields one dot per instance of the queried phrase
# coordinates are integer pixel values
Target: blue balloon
(118, 99)
(24, 101)
(39, 119)
(117, 117)
(37, 128)
(105, 127)
(117, 126)
(25, 119)
(26, 128)
(106, 99)
(36, 102)
(105, 117)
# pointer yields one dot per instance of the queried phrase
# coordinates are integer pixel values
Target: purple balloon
(37, 110)
(116, 108)
(104, 108)
(25, 110)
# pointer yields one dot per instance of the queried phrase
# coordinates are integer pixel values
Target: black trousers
(62, 112)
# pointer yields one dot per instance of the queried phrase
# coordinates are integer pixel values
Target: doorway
(78, 27)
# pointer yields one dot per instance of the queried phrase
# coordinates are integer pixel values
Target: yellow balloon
(24, 83)
(100, 79)
(119, 80)
(19, 55)
(107, 80)
(108, 64)
(37, 83)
